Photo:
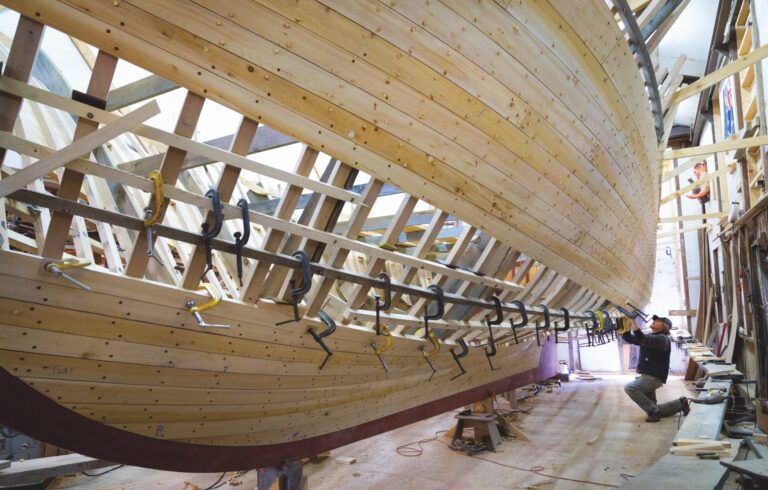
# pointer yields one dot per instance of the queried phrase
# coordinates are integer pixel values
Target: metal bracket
(387, 300)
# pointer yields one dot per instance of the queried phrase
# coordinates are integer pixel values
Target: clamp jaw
(57, 268)
(195, 309)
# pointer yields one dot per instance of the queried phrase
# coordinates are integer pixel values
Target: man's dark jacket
(654, 353)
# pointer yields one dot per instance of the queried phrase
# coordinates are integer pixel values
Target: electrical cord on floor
(103, 472)
(408, 451)
(218, 483)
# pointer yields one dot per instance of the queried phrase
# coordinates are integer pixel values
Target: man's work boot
(686, 407)
(654, 417)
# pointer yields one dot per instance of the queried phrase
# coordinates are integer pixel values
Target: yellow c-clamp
(430, 353)
(57, 268)
(152, 213)
(601, 320)
(195, 309)
(379, 350)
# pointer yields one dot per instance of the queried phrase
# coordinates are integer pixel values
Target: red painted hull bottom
(37, 416)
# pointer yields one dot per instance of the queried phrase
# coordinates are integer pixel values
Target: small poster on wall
(727, 97)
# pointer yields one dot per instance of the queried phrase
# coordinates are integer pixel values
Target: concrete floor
(560, 424)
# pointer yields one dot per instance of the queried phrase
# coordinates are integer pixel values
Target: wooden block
(346, 460)
(689, 442)
(35, 470)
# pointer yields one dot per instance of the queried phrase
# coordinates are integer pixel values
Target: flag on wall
(728, 125)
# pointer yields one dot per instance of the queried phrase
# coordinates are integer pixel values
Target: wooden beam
(182, 143)
(727, 145)
(170, 170)
(319, 293)
(282, 225)
(653, 42)
(254, 277)
(80, 147)
(682, 313)
(680, 169)
(721, 74)
(681, 230)
(691, 217)
(18, 66)
(138, 91)
(71, 181)
(225, 186)
(693, 185)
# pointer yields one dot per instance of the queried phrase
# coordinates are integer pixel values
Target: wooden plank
(318, 295)
(181, 143)
(81, 146)
(681, 230)
(682, 313)
(706, 178)
(71, 182)
(18, 66)
(254, 278)
(721, 74)
(169, 170)
(32, 471)
(138, 91)
(728, 145)
(225, 186)
(128, 46)
(682, 167)
(666, 473)
(388, 238)
(692, 217)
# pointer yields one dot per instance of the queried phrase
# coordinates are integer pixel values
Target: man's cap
(666, 321)
(700, 164)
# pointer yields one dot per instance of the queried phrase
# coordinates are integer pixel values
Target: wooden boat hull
(124, 373)
(527, 119)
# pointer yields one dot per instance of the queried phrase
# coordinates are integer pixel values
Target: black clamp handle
(298, 292)
(211, 232)
(440, 308)
(387, 299)
(456, 357)
(591, 331)
(546, 323)
(330, 327)
(566, 322)
(241, 239)
(523, 321)
(490, 349)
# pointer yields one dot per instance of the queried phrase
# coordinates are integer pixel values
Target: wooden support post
(72, 181)
(170, 169)
(254, 278)
(225, 186)
(388, 238)
(18, 66)
(319, 293)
